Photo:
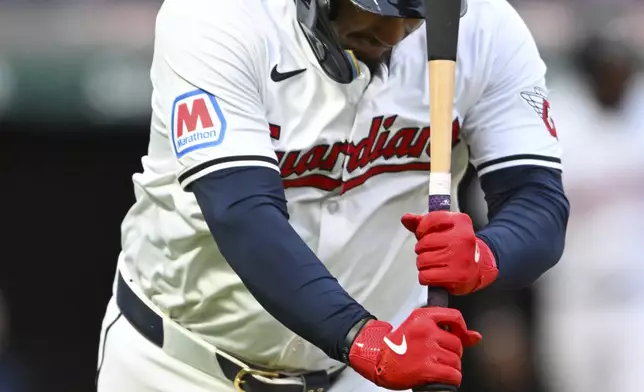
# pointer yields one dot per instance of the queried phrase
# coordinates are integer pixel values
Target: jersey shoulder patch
(197, 122)
(538, 101)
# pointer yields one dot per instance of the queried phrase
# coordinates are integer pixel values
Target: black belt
(150, 325)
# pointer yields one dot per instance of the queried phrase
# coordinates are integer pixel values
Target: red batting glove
(418, 352)
(450, 255)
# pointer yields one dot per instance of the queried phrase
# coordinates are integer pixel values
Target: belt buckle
(238, 381)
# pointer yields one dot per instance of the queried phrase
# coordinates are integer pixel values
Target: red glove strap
(488, 271)
(365, 353)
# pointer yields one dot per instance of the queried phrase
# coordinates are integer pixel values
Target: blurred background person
(591, 312)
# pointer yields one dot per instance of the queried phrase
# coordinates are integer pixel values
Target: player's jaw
(371, 37)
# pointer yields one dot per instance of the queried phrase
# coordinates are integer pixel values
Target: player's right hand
(417, 353)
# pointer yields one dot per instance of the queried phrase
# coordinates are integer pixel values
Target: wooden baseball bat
(442, 19)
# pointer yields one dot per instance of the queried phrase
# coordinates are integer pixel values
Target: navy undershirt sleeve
(528, 214)
(245, 209)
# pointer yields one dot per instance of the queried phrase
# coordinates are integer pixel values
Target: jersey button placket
(332, 229)
(333, 219)
(332, 207)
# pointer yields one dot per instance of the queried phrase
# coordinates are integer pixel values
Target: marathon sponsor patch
(197, 122)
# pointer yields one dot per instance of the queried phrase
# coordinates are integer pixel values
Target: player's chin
(371, 54)
(371, 59)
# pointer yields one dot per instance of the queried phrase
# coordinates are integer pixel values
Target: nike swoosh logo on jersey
(277, 76)
(399, 349)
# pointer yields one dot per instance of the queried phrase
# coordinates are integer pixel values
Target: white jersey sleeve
(207, 76)
(510, 122)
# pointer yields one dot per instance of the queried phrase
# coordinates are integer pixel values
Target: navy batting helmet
(315, 15)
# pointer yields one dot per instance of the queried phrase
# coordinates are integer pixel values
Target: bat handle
(437, 296)
(436, 388)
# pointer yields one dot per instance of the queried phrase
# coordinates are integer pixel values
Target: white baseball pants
(128, 362)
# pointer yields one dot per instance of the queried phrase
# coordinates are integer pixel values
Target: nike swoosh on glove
(449, 254)
(426, 348)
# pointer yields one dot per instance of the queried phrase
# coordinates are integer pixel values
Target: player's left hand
(450, 255)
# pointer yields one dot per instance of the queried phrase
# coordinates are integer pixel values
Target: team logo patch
(538, 101)
(197, 122)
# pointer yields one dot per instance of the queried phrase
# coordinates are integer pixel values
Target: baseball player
(288, 139)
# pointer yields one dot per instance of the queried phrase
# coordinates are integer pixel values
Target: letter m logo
(189, 118)
(197, 122)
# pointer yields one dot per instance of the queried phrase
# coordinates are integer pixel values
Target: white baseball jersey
(353, 158)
